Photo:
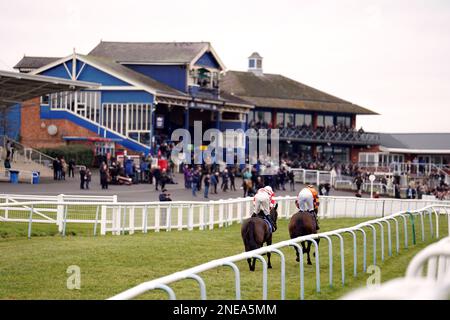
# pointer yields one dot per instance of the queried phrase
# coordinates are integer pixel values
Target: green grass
(36, 268)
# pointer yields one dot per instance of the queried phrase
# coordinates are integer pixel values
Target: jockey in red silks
(264, 201)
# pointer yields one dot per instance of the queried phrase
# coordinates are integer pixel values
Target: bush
(83, 155)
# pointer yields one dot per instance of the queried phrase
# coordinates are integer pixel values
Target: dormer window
(255, 63)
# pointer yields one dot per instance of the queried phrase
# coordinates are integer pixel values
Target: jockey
(308, 200)
(264, 201)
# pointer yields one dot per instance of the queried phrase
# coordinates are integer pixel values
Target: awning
(18, 87)
(91, 139)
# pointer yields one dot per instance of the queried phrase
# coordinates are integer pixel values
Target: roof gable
(208, 60)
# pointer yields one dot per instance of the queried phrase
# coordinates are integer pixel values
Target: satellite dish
(52, 129)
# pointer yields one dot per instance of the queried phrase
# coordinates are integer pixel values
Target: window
(231, 116)
(259, 64)
(329, 121)
(280, 119)
(320, 121)
(264, 118)
(344, 121)
(290, 120)
(251, 63)
(303, 119)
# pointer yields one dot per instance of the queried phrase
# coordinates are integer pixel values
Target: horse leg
(318, 241)
(252, 268)
(308, 249)
(297, 254)
(249, 261)
(269, 265)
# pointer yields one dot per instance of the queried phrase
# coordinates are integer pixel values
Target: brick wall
(33, 129)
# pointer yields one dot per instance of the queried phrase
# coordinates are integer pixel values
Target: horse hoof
(269, 266)
(298, 260)
(309, 263)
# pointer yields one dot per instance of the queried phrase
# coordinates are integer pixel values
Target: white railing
(385, 224)
(129, 217)
(433, 285)
(316, 177)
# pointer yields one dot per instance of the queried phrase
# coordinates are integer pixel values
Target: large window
(290, 120)
(83, 103)
(302, 119)
(263, 118)
(325, 121)
(280, 119)
(344, 121)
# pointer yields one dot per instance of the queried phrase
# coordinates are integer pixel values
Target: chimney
(255, 64)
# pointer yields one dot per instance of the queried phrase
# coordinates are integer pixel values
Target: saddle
(267, 219)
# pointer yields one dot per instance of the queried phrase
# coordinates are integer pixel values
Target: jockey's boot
(269, 218)
(317, 221)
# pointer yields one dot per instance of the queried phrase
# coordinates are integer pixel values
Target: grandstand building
(146, 90)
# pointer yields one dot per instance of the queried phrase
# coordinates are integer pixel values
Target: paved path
(138, 192)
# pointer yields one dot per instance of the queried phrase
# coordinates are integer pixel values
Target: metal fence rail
(427, 277)
(108, 215)
(392, 225)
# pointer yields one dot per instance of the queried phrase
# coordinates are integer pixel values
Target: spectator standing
(195, 181)
(291, 178)
(215, 181)
(71, 168)
(88, 178)
(232, 176)
(63, 168)
(82, 177)
(206, 182)
(224, 185)
(164, 178)
(104, 175)
(410, 193)
(157, 175)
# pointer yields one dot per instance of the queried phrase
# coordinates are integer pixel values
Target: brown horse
(301, 224)
(255, 232)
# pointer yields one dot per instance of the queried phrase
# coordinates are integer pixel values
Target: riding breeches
(261, 202)
(305, 200)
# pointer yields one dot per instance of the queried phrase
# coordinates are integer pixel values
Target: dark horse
(255, 232)
(301, 224)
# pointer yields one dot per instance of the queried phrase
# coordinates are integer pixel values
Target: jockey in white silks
(264, 201)
(308, 201)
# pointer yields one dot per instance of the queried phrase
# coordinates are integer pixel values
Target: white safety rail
(316, 177)
(427, 278)
(51, 209)
(130, 217)
(391, 225)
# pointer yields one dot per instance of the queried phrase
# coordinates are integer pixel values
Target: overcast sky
(390, 56)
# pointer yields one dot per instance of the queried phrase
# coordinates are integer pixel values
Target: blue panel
(46, 113)
(10, 122)
(117, 96)
(59, 71)
(94, 75)
(174, 75)
(208, 60)
(232, 125)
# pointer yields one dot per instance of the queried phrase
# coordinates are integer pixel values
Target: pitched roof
(277, 91)
(34, 62)
(150, 52)
(136, 77)
(416, 141)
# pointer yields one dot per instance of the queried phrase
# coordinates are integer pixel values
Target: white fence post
(180, 217)
(191, 218)
(211, 214)
(103, 221)
(157, 215)
(201, 217)
(7, 208)
(221, 214)
(131, 220)
(239, 211)
(169, 218)
(60, 213)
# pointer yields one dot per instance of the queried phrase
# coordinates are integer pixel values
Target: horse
(255, 232)
(303, 223)
(247, 186)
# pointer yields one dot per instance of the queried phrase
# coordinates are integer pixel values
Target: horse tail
(250, 236)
